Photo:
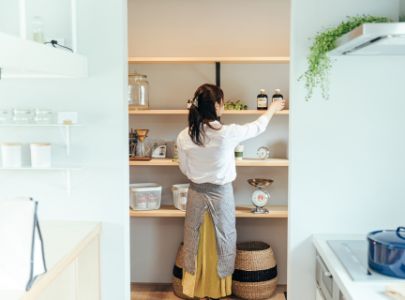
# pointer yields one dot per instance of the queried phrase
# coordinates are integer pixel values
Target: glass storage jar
(43, 116)
(22, 115)
(138, 91)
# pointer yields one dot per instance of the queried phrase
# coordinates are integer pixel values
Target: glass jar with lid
(138, 91)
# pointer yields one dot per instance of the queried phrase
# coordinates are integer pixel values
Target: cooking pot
(386, 252)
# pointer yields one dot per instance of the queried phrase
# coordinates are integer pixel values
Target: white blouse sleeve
(250, 130)
(182, 156)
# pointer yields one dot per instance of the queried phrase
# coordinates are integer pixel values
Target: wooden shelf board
(147, 291)
(185, 112)
(239, 59)
(274, 162)
(169, 211)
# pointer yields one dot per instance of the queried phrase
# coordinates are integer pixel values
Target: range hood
(21, 58)
(373, 39)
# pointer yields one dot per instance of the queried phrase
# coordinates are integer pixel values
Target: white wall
(346, 154)
(99, 189)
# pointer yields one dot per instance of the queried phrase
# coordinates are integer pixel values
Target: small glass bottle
(277, 95)
(262, 100)
(38, 30)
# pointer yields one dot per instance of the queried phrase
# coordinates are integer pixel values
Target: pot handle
(400, 230)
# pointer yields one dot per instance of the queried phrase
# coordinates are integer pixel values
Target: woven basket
(255, 275)
(178, 274)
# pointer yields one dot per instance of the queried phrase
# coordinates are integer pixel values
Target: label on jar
(277, 98)
(261, 102)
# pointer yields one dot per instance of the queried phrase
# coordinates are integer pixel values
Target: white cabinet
(72, 251)
(24, 58)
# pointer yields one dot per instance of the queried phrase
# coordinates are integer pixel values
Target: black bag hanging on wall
(22, 257)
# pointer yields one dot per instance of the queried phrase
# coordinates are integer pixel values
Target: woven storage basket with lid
(255, 275)
(178, 274)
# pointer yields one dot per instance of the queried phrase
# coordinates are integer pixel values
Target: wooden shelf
(274, 162)
(201, 60)
(169, 211)
(185, 112)
(148, 291)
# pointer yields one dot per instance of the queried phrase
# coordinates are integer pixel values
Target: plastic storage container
(11, 155)
(145, 196)
(180, 192)
(41, 155)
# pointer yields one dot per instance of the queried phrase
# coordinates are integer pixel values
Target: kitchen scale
(260, 197)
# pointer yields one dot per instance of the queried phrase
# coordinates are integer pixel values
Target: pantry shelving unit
(241, 63)
(168, 211)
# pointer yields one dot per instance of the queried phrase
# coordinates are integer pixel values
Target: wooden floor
(164, 292)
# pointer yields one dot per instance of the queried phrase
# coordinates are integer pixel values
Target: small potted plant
(319, 63)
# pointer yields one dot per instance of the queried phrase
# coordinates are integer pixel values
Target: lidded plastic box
(145, 196)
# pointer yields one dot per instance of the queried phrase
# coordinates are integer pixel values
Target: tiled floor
(164, 292)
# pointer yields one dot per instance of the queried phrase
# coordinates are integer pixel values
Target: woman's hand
(276, 106)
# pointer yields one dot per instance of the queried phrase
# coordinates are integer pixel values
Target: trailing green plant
(319, 63)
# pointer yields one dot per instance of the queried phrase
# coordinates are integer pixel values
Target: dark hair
(202, 111)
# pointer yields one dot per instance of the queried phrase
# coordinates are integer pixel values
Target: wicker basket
(255, 275)
(178, 274)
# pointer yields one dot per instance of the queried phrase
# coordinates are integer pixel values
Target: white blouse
(215, 161)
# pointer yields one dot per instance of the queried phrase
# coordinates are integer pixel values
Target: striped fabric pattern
(219, 201)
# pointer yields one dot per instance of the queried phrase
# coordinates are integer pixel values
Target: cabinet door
(319, 295)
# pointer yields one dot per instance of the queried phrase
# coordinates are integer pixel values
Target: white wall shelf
(66, 128)
(21, 58)
(66, 169)
(37, 125)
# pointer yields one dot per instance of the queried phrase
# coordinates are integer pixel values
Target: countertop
(63, 242)
(352, 290)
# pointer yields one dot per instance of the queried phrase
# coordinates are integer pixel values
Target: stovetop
(353, 256)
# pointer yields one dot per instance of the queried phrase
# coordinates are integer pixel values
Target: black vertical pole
(218, 74)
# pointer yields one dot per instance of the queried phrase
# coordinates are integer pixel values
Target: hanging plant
(319, 63)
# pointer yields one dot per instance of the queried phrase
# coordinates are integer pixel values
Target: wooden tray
(143, 158)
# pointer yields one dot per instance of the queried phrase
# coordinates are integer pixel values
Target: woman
(206, 157)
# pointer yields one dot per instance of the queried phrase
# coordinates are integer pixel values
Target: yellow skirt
(206, 281)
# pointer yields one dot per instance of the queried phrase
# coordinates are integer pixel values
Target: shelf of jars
(247, 112)
(273, 162)
(169, 211)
